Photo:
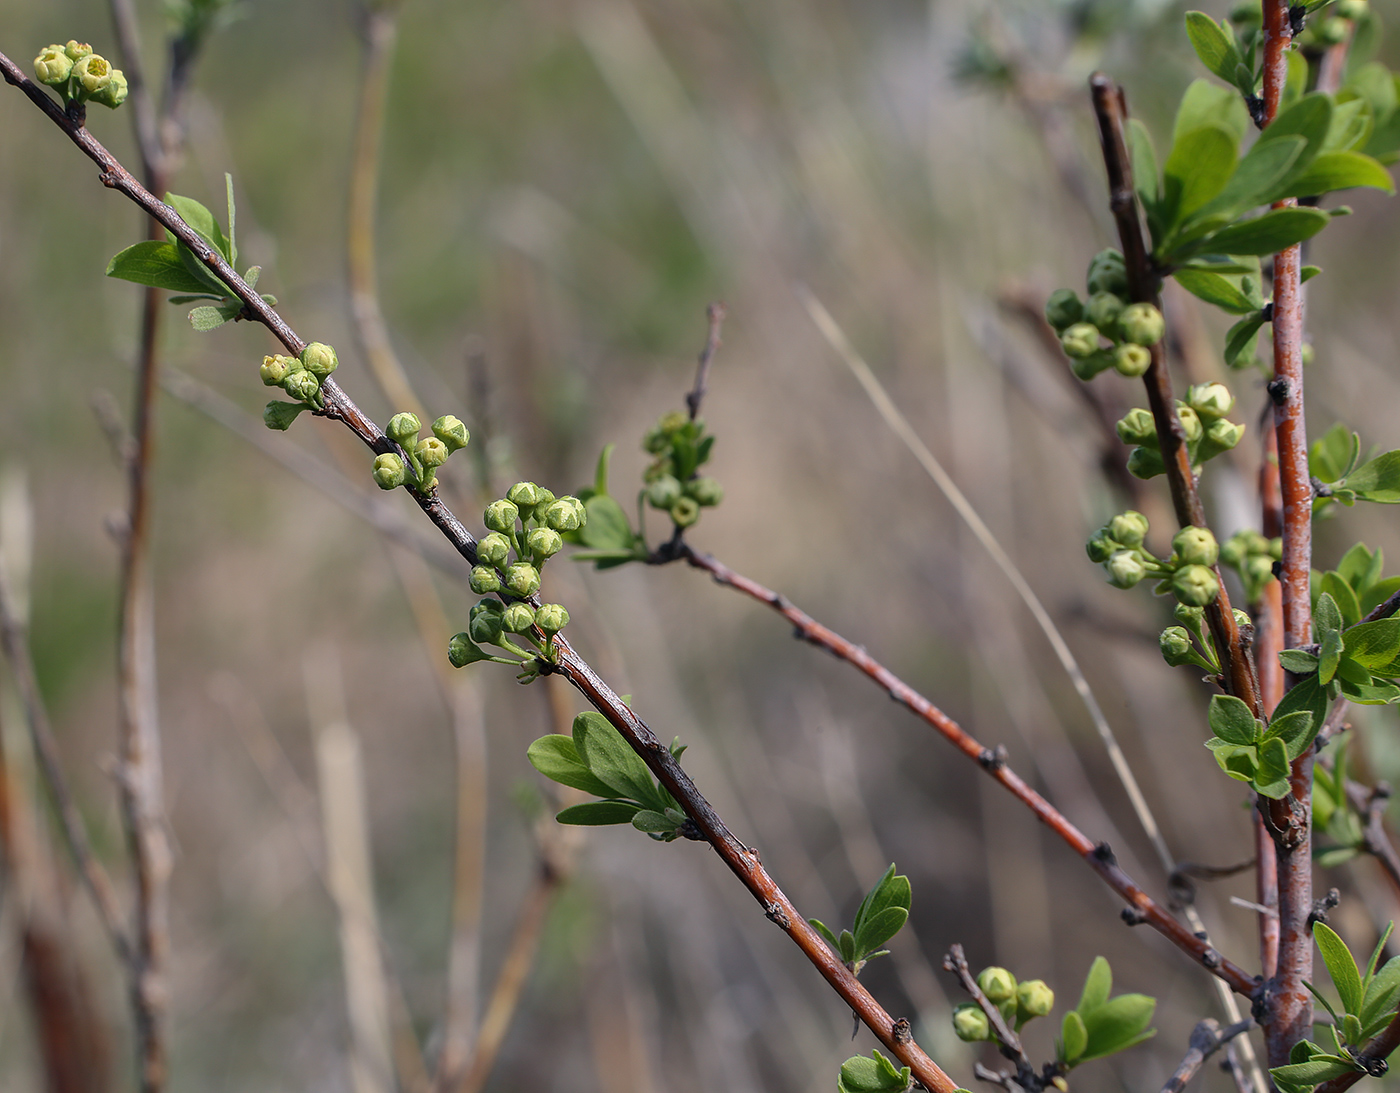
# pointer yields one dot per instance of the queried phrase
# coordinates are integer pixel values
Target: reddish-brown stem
(1371, 1055)
(1096, 855)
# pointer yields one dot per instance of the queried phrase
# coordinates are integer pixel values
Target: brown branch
(956, 962)
(1098, 856)
(1206, 1039)
(715, 314)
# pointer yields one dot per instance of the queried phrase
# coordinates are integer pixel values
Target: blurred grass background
(565, 186)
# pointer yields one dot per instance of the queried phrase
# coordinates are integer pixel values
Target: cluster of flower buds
(1018, 1002)
(1130, 330)
(299, 377)
(1191, 642)
(1335, 25)
(672, 482)
(1203, 421)
(1253, 557)
(424, 457)
(80, 75)
(1189, 573)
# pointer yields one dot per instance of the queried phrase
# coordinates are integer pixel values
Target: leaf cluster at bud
(673, 483)
(80, 75)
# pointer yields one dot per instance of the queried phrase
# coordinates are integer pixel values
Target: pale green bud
(1210, 400)
(655, 442)
(544, 542)
(1275, 547)
(1142, 323)
(970, 1023)
(524, 495)
(320, 360)
(500, 516)
(1224, 435)
(1125, 568)
(1192, 617)
(1242, 618)
(276, 369)
(1103, 309)
(1233, 551)
(302, 385)
(1034, 998)
(76, 50)
(1132, 360)
(1333, 32)
(663, 492)
(114, 94)
(1101, 547)
(389, 471)
(1196, 546)
(1080, 341)
(1063, 309)
(487, 622)
(53, 66)
(1101, 360)
(685, 512)
(547, 498)
(998, 984)
(403, 429)
(519, 617)
(1257, 571)
(523, 579)
(1176, 647)
(1108, 273)
(451, 432)
(1190, 423)
(566, 514)
(493, 550)
(1195, 585)
(1137, 427)
(706, 491)
(1128, 528)
(93, 72)
(672, 421)
(484, 580)
(551, 618)
(1351, 9)
(431, 452)
(1146, 462)
(461, 651)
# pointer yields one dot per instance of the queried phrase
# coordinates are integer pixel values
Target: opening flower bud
(523, 579)
(1137, 427)
(1125, 568)
(319, 359)
(1145, 463)
(551, 618)
(706, 491)
(672, 421)
(1195, 585)
(1210, 400)
(93, 72)
(544, 542)
(403, 429)
(566, 514)
(493, 550)
(1224, 435)
(52, 66)
(1196, 546)
(685, 512)
(275, 369)
(1242, 618)
(451, 432)
(1103, 309)
(663, 492)
(484, 580)
(519, 617)
(1132, 360)
(1063, 309)
(1190, 422)
(1193, 617)
(114, 94)
(525, 495)
(1176, 647)
(487, 622)
(1142, 323)
(1101, 360)
(998, 984)
(76, 50)
(1128, 528)
(431, 452)
(500, 516)
(970, 1023)
(389, 471)
(1034, 998)
(1080, 341)
(302, 385)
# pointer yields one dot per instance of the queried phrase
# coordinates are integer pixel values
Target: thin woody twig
(1206, 1039)
(715, 313)
(1372, 803)
(956, 962)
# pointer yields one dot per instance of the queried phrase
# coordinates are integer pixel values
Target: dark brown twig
(715, 313)
(1206, 1039)
(956, 962)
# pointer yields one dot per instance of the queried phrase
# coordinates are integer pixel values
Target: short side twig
(1206, 1039)
(715, 313)
(956, 962)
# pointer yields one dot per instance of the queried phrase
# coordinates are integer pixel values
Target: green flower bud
(500, 516)
(998, 984)
(519, 617)
(114, 94)
(1190, 423)
(655, 442)
(1034, 998)
(566, 514)
(1224, 435)
(1333, 32)
(92, 72)
(525, 495)
(493, 550)
(1063, 309)
(302, 385)
(1307, 353)
(1101, 547)
(280, 415)
(451, 432)
(320, 360)
(487, 622)
(551, 618)
(1080, 341)
(1351, 9)
(52, 66)
(1128, 528)
(1101, 360)
(76, 50)
(1132, 360)
(970, 1023)
(1125, 568)
(1142, 323)
(706, 491)
(1108, 273)
(275, 369)
(1242, 618)
(1233, 551)
(1258, 570)
(1176, 647)
(523, 579)
(1275, 547)
(403, 429)
(1196, 546)
(1195, 585)
(663, 492)
(431, 452)
(672, 421)
(685, 512)
(1192, 617)
(1146, 463)
(544, 542)
(389, 471)
(461, 651)
(484, 580)
(1210, 400)
(1137, 427)
(1103, 310)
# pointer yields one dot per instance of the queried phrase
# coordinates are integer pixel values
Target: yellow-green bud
(500, 516)
(431, 451)
(486, 622)
(1146, 463)
(1128, 528)
(970, 1023)
(483, 580)
(1258, 569)
(1190, 422)
(1210, 400)
(1193, 618)
(1080, 341)
(1063, 309)
(1224, 435)
(1108, 273)
(1103, 309)
(663, 492)
(461, 651)
(706, 491)
(1176, 647)
(1142, 323)
(53, 66)
(998, 984)
(275, 369)
(1132, 360)
(542, 505)
(1137, 427)
(1034, 998)
(320, 360)
(1242, 618)
(1333, 32)
(566, 514)
(672, 421)
(76, 50)
(493, 550)
(544, 542)
(1101, 547)
(114, 94)
(525, 495)
(1101, 360)
(403, 429)
(551, 618)
(1351, 9)
(1195, 585)
(302, 385)
(1125, 568)
(655, 442)
(389, 471)
(685, 512)
(451, 432)
(518, 618)
(1196, 546)
(93, 72)
(523, 579)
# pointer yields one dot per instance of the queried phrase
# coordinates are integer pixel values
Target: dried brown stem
(1206, 1039)
(715, 314)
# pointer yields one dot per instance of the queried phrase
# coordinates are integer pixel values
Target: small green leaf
(1273, 769)
(1377, 594)
(1378, 1003)
(890, 892)
(846, 943)
(1206, 103)
(1074, 1038)
(607, 527)
(1239, 762)
(1306, 694)
(1298, 662)
(232, 254)
(1361, 567)
(1240, 341)
(1333, 171)
(1200, 164)
(1214, 45)
(1335, 585)
(211, 317)
(826, 933)
(557, 759)
(156, 265)
(1264, 168)
(1215, 289)
(873, 1075)
(1294, 730)
(1118, 1024)
(598, 813)
(1317, 1070)
(1144, 161)
(1372, 694)
(1351, 127)
(1378, 480)
(1346, 977)
(1307, 273)
(653, 822)
(1333, 455)
(603, 750)
(1330, 656)
(202, 221)
(1270, 233)
(879, 928)
(1327, 616)
(1375, 644)
(1231, 720)
(1097, 985)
